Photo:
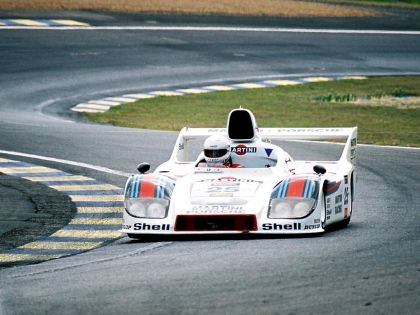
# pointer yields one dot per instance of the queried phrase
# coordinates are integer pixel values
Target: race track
(370, 267)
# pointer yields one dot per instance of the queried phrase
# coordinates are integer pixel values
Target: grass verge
(203, 7)
(289, 106)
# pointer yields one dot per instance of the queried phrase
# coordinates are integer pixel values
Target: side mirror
(319, 169)
(143, 167)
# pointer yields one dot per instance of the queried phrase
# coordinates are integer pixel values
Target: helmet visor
(215, 153)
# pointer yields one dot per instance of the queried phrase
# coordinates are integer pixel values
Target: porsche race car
(270, 193)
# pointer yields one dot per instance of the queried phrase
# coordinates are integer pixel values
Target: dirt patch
(38, 212)
(398, 102)
(287, 8)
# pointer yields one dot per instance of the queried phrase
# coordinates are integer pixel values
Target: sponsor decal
(229, 179)
(216, 209)
(217, 130)
(242, 149)
(346, 213)
(126, 226)
(353, 150)
(312, 226)
(338, 209)
(268, 151)
(151, 227)
(328, 208)
(317, 220)
(277, 227)
(208, 170)
(346, 196)
(294, 226)
(338, 198)
(311, 130)
(346, 179)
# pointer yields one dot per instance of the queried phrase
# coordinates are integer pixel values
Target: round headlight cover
(290, 208)
(150, 208)
(294, 197)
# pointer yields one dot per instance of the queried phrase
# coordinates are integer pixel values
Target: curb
(104, 104)
(96, 223)
(40, 23)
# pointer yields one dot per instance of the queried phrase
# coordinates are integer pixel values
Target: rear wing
(349, 135)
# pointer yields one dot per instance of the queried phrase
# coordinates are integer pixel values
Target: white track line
(215, 29)
(73, 163)
(124, 174)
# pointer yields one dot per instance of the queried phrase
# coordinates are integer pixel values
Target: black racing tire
(134, 236)
(345, 222)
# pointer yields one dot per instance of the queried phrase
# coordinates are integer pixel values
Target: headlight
(290, 208)
(151, 208)
(294, 197)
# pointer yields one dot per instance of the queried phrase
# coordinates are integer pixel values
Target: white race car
(270, 193)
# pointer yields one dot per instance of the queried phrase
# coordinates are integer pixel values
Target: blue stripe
(283, 188)
(311, 188)
(307, 190)
(159, 189)
(92, 227)
(286, 188)
(280, 189)
(138, 187)
(133, 186)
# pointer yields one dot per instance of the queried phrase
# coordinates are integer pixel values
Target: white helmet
(216, 149)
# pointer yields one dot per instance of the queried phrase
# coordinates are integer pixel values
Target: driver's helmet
(216, 149)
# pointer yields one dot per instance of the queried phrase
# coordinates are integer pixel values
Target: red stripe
(296, 187)
(333, 187)
(147, 190)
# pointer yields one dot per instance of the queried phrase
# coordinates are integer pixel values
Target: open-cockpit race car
(269, 193)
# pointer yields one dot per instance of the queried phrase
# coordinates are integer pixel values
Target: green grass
(392, 3)
(288, 106)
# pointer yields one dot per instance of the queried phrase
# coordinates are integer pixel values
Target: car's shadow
(218, 237)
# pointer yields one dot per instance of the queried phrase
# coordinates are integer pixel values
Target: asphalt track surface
(372, 266)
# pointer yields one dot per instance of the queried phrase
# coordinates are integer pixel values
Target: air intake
(201, 223)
